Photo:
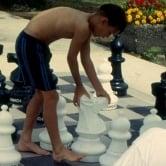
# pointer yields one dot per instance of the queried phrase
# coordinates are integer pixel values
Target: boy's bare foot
(65, 154)
(31, 147)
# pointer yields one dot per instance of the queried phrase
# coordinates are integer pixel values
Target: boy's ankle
(58, 149)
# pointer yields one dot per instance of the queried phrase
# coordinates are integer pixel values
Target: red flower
(139, 2)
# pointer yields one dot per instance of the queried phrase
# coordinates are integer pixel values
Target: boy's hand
(103, 93)
(79, 91)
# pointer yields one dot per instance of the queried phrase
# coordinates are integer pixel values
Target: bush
(151, 54)
(38, 4)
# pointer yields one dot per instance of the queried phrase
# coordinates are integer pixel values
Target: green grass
(78, 4)
(122, 3)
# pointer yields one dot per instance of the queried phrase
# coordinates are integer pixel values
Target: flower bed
(145, 12)
(146, 28)
(146, 31)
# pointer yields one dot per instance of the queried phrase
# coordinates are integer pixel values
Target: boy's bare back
(60, 22)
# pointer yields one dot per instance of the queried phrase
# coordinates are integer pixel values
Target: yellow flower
(144, 17)
(158, 19)
(143, 21)
(136, 9)
(137, 22)
(129, 11)
(137, 16)
(162, 18)
(140, 13)
(150, 17)
(153, 21)
(159, 13)
(129, 18)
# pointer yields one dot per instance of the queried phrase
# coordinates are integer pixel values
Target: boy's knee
(38, 95)
(50, 95)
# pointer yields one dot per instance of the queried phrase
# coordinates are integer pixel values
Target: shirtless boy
(32, 48)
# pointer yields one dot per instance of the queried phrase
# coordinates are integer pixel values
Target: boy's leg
(33, 108)
(50, 118)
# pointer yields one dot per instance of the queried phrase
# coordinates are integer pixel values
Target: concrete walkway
(137, 73)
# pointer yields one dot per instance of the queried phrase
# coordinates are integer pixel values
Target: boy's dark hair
(115, 14)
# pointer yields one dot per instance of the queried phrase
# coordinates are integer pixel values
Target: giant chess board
(135, 110)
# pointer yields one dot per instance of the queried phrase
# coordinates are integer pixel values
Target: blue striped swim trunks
(34, 57)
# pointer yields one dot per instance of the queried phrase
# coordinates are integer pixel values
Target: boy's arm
(90, 70)
(79, 38)
(76, 43)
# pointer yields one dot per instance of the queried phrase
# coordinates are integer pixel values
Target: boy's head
(110, 19)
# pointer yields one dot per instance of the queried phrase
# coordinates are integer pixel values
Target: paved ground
(137, 73)
(134, 109)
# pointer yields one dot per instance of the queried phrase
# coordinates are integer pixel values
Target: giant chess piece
(119, 135)
(21, 92)
(89, 128)
(65, 136)
(159, 91)
(1, 49)
(117, 83)
(104, 76)
(8, 155)
(151, 120)
(4, 93)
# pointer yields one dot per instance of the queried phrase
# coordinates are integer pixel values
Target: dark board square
(69, 88)
(141, 110)
(70, 79)
(135, 127)
(74, 116)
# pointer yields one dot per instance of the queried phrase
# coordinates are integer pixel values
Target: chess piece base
(106, 160)
(91, 159)
(45, 142)
(9, 158)
(91, 148)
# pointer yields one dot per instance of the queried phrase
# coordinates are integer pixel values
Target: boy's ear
(104, 20)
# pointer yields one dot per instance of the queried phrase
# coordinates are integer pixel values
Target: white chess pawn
(8, 155)
(153, 117)
(65, 136)
(89, 128)
(151, 120)
(119, 135)
(104, 74)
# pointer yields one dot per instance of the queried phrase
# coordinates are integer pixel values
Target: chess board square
(26, 155)
(68, 96)
(62, 82)
(74, 116)
(113, 114)
(70, 78)
(68, 100)
(141, 110)
(38, 161)
(88, 87)
(71, 108)
(48, 161)
(131, 102)
(9, 83)
(17, 114)
(135, 127)
(69, 121)
(69, 88)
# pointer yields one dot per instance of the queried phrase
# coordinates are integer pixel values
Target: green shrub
(122, 3)
(38, 4)
(151, 54)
